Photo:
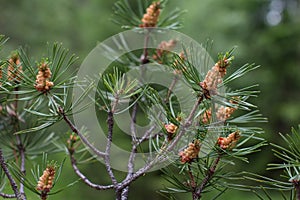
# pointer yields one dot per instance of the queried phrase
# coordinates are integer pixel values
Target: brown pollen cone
(14, 69)
(43, 83)
(171, 130)
(191, 152)
(230, 141)
(150, 18)
(215, 75)
(45, 182)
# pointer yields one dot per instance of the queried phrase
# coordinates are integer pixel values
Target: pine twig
(83, 177)
(133, 152)
(172, 85)
(13, 184)
(148, 166)
(193, 182)
(110, 122)
(187, 124)
(7, 196)
(20, 146)
(133, 140)
(77, 132)
(144, 57)
(210, 172)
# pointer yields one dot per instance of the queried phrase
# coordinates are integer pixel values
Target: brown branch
(77, 132)
(297, 188)
(133, 141)
(149, 165)
(13, 184)
(210, 172)
(144, 57)
(173, 83)
(110, 122)
(21, 150)
(7, 196)
(83, 177)
(20, 146)
(193, 182)
(188, 122)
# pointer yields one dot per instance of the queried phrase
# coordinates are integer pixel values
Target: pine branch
(210, 172)
(20, 146)
(7, 196)
(83, 177)
(171, 87)
(77, 132)
(144, 56)
(110, 122)
(13, 184)
(149, 165)
(134, 147)
(187, 124)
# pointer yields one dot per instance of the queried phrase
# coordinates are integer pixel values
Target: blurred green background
(266, 32)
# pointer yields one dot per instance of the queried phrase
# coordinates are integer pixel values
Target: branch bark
(7, 196)
(13, 184)
(83, 177)
(210, 172)
(20, 146)
(110, 122)
(297, 188)
(77, 132)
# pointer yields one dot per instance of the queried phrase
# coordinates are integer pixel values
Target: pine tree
(193, 149)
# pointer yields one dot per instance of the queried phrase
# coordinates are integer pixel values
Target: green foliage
(229, 23)
(129, 15)
(288, 155)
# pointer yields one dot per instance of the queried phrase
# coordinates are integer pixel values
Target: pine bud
(163, 48)
(230, 141)
(71, 141)
(151, 17)
(42, 83)
(206, 116)
(224, 112)
(214, 76)
(191, 152)
(45, 182)
(14, 69)
(171, 128)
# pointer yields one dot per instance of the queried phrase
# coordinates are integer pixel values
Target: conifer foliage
(220, 128)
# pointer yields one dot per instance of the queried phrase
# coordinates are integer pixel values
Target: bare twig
(84, 178)
(7, 196)
(110, 122)
(144, 57)
(192, 179)
(133, 141)
(210, 172)
(173, 83)
(77, 132)
(13, 184)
